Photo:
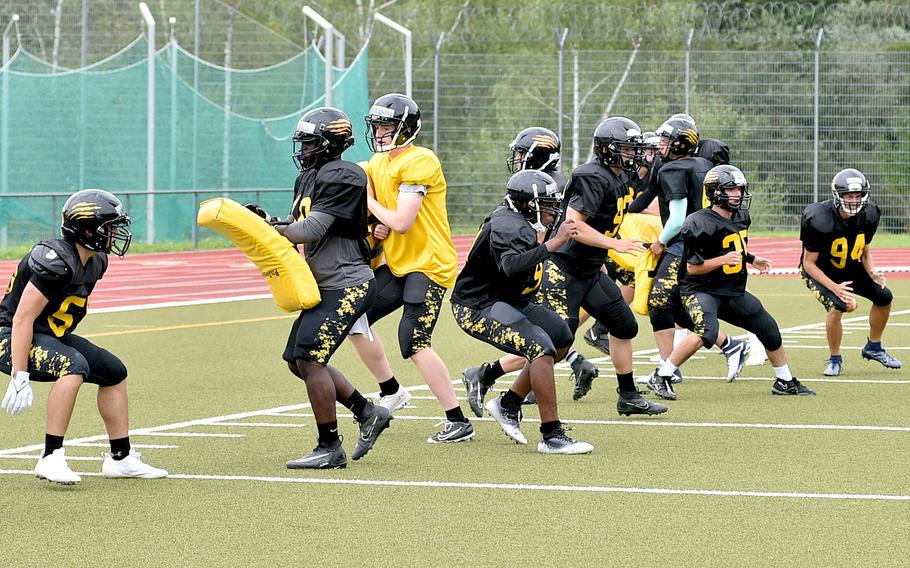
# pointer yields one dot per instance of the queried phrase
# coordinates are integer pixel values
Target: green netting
(64, 130)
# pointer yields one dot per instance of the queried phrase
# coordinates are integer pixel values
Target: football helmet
(850, 181)
(682, 134)
(719, 179)
(532, 192)
(95, 219)
(614, 134)
(397, 110)
(322, 135)
(534, 148)
(650, 140)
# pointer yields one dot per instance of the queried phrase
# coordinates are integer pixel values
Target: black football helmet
(532, 192)
(650, 140)
(682, 134)
(322, 135)
(850, 181)
(611, 136)
(715, 151)
(398, 110)
(721, 178)
(534, 148)
(95, 219)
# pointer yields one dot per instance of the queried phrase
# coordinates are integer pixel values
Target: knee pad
(883, 297)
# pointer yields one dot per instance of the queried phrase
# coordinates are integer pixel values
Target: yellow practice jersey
(427, 247)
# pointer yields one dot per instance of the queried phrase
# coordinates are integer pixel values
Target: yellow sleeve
(422, 169)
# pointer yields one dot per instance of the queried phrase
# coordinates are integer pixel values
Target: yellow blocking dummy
(286, 272)
(636, 226)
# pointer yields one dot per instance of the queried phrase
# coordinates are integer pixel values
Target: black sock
(455, 415)
(491, 372)
(52, 443)
(547, 428)
(625, 381)
(511, 400)
(388, 387)
(120, 448)
(328, 432)
(355, 403)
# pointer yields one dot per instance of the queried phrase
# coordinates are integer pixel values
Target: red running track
(211, 275)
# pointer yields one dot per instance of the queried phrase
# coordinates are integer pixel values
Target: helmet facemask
(534, 157)
(848, 186)
(395, 138)
(308, 150)
(536, 206)
(722, 199)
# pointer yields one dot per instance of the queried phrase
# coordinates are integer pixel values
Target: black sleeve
(642, 200)
(515, 251)
(339, 191)
(691, 236)
(587, 194)
(812, 238)
(872, 217)
(673, 183)
(50, 272)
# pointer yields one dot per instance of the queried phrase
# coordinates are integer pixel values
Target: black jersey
(337, 188)
(604, 197)
(839, 242)
(707, 234)
(504, 264)
(682, 179)
(55, 269)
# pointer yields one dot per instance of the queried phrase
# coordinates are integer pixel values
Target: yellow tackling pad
(284, 269)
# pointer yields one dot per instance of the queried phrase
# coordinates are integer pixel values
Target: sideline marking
(517, 486)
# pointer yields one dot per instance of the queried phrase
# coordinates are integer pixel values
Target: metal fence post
(197, 38)
(437, 46)
(4, 126)
(83, 63)
(150, 150)
(818, 43)
(688, 69)
(173, 157)
(560, 45)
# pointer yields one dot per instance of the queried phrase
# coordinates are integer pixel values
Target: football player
(329, 216)
(534, 148)
(492, 302)
(712, 280)
(679, 193)
(596, 199)
(420, 258)
(47, 298)
(837, 263)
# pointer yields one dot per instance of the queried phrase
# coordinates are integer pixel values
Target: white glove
(18, 394)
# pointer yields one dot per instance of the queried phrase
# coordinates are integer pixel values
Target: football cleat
(393, 402)
(559, 443)
(372, 422)
(508, 420)
(882, 357)
(54, 468)
(662, 386)
(130, 466)
(833, 368)
(736, 353)
(632, 402)
(453, 432)
(584, 372)
(598, 337)
(476, 388)
(324, 456)
(791, 387)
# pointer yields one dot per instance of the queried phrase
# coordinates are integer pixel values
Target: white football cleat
(395, 401)
(130, 466)
(54, 468)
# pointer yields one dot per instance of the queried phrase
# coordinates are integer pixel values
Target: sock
(625, 381)
(388, 387)
(356, 403)
(120, 448)
(52, 443)
(548, 428)
(491, 372)
(873, 345)
(511, 401)
(328, 432)
(667, 369)
(455, 415)
(783, 373)
(837, 359)
(571, 356)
